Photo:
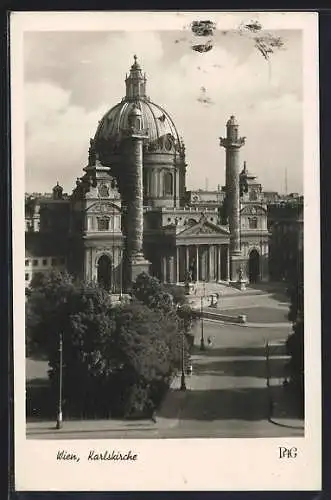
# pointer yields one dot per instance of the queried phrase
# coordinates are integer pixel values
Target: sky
(72, 78)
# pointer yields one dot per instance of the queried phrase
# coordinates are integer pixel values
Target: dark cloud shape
(203, 28)
(253, 26)
(203, 47)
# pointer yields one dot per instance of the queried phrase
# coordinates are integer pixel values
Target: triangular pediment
(204, 228)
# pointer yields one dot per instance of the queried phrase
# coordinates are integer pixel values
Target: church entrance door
(104, 272)
(254, 266)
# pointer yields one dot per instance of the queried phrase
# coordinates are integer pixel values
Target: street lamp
(121, 272)
(113, 254)
(59, 412)
(182, 379)
(202, 340)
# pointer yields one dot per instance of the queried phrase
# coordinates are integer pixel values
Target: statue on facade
(243, 181)
(189, 277)
(189, 286)
(241, 281)
(223, 212)
(92, 157)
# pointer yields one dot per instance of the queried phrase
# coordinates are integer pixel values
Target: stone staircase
(224, 289)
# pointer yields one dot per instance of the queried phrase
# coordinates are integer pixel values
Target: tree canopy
(117, 359)
(295, 341)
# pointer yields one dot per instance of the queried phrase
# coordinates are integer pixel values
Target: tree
(151, 292)
(81, 313)
(177, 292)
(168, 298)
(171, 299)
(295, 341)
(53, 302)
(116, 359)
(147, 343)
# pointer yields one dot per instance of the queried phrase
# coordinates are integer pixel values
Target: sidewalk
(172, 403)
(85, 426)
(91, 426)
(284, 411)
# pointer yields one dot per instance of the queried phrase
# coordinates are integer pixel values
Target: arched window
(103, 223)
(168, 184)
(235, 133)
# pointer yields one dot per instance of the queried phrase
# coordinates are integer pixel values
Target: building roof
(155, 119)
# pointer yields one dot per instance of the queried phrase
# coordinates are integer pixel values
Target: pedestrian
(153, 417)
(209, 342)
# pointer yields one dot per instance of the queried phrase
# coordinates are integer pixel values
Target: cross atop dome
(135, 64)
(135, 82)
(57, 191)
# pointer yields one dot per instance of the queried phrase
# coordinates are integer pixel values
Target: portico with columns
(200, 251)
(205, 262)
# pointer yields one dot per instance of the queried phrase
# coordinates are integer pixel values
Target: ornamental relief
(103, 191)
(201, 229)
(253, 210)
(204, 230)
(103, 208)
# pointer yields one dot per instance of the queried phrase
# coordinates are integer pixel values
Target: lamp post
(121, 272)
(59, 412)
(182, 379)
(202, 340)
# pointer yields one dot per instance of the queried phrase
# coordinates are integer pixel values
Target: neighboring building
(130, 210)
(285, 223)
(46, 232)
(271, 197)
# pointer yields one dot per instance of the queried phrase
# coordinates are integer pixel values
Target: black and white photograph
(166, 199)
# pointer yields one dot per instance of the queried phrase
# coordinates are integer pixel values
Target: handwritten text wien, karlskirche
(98, 456)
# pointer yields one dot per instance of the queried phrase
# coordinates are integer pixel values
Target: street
(227, 393)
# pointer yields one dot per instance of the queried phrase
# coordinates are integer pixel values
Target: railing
(178, 210)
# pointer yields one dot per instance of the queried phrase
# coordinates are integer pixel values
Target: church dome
(155, 120)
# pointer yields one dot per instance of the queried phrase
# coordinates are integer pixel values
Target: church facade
(129, 212)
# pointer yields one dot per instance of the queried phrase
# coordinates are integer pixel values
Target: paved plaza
(227, 394)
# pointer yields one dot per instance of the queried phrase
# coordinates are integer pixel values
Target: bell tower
(135, 83)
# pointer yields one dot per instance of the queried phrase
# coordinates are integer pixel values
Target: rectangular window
(35, 262)
(54, 261)
(252, 223)
(27, 262)
(44, 262)
(27, 276)
(103, 223)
